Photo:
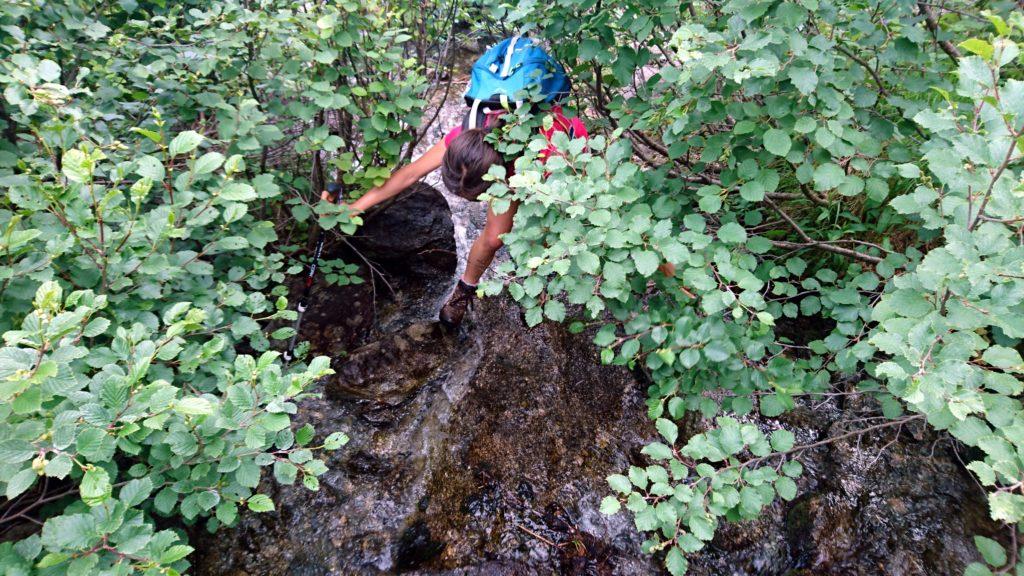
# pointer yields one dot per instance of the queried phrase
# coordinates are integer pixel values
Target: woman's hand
(325, 195)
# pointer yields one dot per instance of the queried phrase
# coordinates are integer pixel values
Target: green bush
(857, 165)
(142, 264)
(853, 165)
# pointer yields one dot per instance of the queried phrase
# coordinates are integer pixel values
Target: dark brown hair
(467, 159)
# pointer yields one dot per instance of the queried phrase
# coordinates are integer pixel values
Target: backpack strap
(473, 116)
(508, 57)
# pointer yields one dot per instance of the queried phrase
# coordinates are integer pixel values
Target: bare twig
(812, 243)
(933, 25)
(866, 66)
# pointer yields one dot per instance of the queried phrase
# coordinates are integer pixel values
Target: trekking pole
(334, 190)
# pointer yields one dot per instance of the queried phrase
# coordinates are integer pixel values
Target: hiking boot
(455, 308)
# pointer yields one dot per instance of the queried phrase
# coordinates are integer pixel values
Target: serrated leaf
(208, 163)
(184, 143)
(20, 482)
(777, 142)
(193, 406)
(646, 261)
(675, 562)
(610, 505)
(335, 440)
(136, 491)
(668, 429)
(785, 487)
(620, 483)
(782, 440)
(991, 551)
(260, 503)
(95, 487)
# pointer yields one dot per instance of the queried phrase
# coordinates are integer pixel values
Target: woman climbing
(465, 156)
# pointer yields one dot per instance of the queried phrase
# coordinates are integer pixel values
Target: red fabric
(575, 126)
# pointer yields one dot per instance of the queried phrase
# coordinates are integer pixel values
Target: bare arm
(401, 179)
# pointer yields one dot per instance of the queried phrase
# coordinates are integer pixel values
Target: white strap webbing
(508, 57)
(472, 114)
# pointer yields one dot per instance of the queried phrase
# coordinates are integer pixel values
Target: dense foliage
(855, 164)
(156, 158)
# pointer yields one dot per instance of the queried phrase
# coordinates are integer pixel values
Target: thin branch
(866, 66)
(933, 25)
(812, 243)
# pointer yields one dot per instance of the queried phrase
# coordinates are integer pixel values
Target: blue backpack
(505, 74)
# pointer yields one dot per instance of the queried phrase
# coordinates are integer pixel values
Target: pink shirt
(573, 126)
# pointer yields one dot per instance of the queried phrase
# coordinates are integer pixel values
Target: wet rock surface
(484, 452)
(477, 452)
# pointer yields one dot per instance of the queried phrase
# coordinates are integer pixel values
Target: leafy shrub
(142, 257)
(846, 163)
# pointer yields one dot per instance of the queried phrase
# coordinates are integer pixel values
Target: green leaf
(52, 559)
(782, 440)
(657, 451)
(828, 176)
(208, 163)
(771, 405)
(48, 70)
(610, 505)
(979, 47)
(59, 467)
(1006, 506)
(95, 487)
(805, 80)
(14, 451)
(620, 483)
(285, 472)
(977, 569)
(1003, 357)
(554, 310)
(777, 142)
(175, 553)
(184, 143)
(991, 551)
(136, 491)
(76, 166)
(260, 503)
(675, 562)
(150, 167)
(588, 262)
(805, 124)
(732, 233)
(304, 435)
(96, 327)
(752, 191)
(668, 429)
(20, 482)
(193, 406)
(238, 192)
(702, 527)
(646, 261)
(335, 440)
(785, 487)
(743, 127)
(750, 501)
(793, 468)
